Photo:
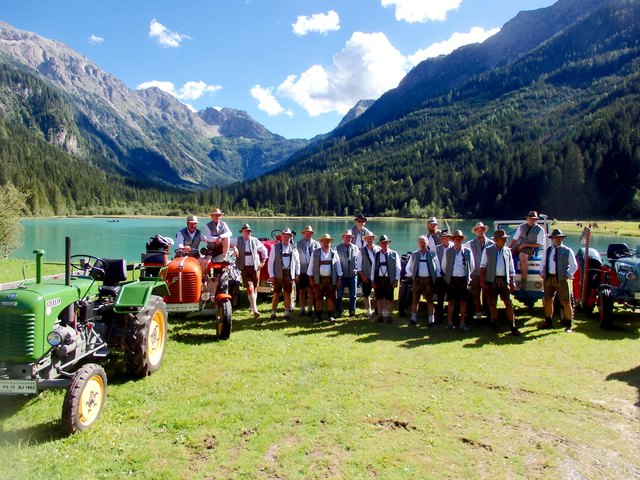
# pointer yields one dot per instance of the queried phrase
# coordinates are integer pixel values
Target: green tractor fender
(136, 294)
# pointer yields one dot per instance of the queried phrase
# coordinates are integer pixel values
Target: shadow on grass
(632, 377)
(33, 435)
(195, 329)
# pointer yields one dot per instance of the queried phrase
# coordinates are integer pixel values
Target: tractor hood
(628, 272)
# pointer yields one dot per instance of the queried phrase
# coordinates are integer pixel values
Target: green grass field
(352, 400)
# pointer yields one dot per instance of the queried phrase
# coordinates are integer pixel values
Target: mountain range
(543, 115)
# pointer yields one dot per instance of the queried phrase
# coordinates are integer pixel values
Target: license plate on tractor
(18, 386)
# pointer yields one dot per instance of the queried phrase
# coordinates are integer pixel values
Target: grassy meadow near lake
(351, 400)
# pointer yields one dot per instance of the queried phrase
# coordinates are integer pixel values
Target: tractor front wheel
(146, 339)
(84, 398)
(605, 307)
(224, 321)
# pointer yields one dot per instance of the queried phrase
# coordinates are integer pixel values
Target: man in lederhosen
(365, 270)
(477, 246)
(386, 273)
(252, 255)
(423, 267)
(284, 269)
(348, 254)
(457, 265)
(324, 275)
(527, 238)
(306, 245)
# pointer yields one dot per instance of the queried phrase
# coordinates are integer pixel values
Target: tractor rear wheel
(224, 321)
(146, 339)
(84, 399)
(234, 291)
(605, 308)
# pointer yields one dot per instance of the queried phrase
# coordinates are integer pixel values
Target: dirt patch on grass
(394, 424)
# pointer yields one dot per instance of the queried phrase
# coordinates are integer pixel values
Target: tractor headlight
(632, 276)
(54, 338)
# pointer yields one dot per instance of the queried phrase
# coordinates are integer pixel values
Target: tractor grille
(190, 288)
(17, 335)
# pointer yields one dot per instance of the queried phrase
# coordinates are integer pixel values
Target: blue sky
(296, 66)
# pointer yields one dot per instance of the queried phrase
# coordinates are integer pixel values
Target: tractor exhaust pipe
(39, 254)
(67, 261)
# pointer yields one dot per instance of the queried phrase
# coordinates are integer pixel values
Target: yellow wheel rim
(91, 400)
(156, 338)
(219, 328)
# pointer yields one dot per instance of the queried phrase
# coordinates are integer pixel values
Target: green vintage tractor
(55, 332)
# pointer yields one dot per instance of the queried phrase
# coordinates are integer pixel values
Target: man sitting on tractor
(217, 234)
(527, 238)
(188, 240)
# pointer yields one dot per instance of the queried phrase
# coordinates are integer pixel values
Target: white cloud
(318, 22)
(413, 11)
(189, 91)
(95, 39)
(366, 67)
(458, 39)
(267, 102)
(164, 36)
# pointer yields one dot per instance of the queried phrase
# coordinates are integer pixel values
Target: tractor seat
(617, 250)
(115, 271)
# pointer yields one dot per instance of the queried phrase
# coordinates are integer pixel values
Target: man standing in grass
(348, 254)
(324, 275)
(386, 273)
(457, 265)
(252, 255)
(441, 286)
(366, 260)
(423, 267)
(477, 246)
(284, 269)
(433, 234)
(305, 246)
(497, 278)
(557, 267)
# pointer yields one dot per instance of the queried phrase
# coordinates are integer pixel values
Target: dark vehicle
(54, 332)
(191, 288)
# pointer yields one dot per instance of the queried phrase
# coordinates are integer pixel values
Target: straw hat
(287, 231)
(369, 234)
(215, 211)
(325, 237)
(245, 227)
(480, 225)
(192, 219)
(432, 220)
(347, 233)
(307, 229)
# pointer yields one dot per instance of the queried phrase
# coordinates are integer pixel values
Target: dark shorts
(283, 283)
(499, 288)
(475, 285)
(384, 290)
(553, 285)
(249, 276)
(458, 289)
(423, 286)
(303, 281)
(367, 286)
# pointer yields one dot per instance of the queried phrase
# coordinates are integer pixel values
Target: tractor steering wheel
(88, 265)
(275, 233)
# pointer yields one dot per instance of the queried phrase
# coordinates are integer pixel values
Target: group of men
(443, 267)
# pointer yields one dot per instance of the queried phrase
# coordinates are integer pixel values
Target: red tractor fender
(221, 297)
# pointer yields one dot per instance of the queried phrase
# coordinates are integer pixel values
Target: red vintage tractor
(191, 288)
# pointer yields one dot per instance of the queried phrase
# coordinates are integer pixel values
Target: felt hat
(215, 211)
(287, 231)
(432, 220)
(192, 219)
(458, 234)
(307, 229)
(384, 239)
(360, 217)
(245, 227)
(480, 225)
(532, 214)
(445, 233)
(498, 234)
(557, 233)
(325, 237)
(369, 234)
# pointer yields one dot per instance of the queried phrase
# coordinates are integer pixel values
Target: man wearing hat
(386, 273)
(424, 269)
(359, 230)
(497, 277)
(366, 259)
(284, 268)
(441, 286)
(528, 237)
(477, 246)
(557, 267)
(305, 246)
(457, 265)
(348, 254)
(252, 255)
(189, 238)
(324, 276)
(433, 234)
(218, 234)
